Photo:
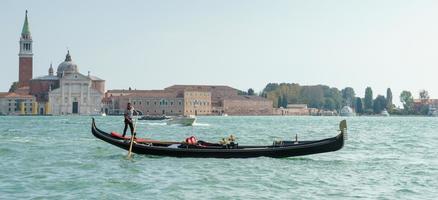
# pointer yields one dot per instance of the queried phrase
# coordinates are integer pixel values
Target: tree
(358, 105)
(368, 100)
(348, 96)
(424, 95)
(313, 96)
(284, 101)
(389, 104)
(329, 104)
(407, 100)
(279, 102)
(336, 96)
(379, 104)
(13, 87)
(424, 107)
(250, 91)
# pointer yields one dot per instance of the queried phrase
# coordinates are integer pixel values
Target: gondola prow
(343, 128)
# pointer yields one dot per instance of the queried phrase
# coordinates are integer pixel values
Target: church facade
(67, 92)
(77, 93)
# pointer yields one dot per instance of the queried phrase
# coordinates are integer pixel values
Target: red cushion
(118, 135)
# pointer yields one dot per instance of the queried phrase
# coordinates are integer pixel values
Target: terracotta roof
(46, 77)
(14, 95)
(247, 98)
(152, 94)
(128, 91)
(199, 87)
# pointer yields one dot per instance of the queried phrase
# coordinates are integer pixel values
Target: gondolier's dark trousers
(131, 126)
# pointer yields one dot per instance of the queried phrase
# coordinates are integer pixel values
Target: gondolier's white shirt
(130, 112)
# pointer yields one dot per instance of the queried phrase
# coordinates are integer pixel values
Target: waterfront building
(12, 103)
(158, 102)
(196, 100)
(247, 105)
(152, 102)
(293, 109)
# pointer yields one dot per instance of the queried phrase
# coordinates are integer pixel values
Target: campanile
(25, 56)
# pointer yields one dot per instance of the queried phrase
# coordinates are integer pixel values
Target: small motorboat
(202, 149)
(182, 120)
(154, 117)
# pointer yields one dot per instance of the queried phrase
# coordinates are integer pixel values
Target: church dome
(66, 67)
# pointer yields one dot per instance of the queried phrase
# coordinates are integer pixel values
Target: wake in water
(200, 124)
(153, 123)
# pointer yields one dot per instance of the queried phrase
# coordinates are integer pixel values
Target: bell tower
(25, 56)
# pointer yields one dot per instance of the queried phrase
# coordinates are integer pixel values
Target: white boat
(182, 120)
(346, 111)
(384, 113)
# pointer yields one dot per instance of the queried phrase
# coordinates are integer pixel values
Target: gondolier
(129, 114)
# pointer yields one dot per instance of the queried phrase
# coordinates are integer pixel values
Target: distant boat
(384, 113)
(154, 117)
(346, 111)
(433, 112)
(182, 120)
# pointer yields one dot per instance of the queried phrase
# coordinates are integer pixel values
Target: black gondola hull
(300, 149)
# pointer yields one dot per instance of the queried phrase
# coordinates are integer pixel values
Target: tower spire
(51, 70)
(25, 31)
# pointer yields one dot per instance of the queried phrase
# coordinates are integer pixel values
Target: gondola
(278, 149)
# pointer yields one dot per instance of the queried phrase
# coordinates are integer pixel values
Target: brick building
(196, 100)
(247, 105)
(158, 102)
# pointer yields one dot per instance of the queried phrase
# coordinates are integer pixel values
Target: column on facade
(69, 102)
(81, 98)
(61, 103)
(88, 96)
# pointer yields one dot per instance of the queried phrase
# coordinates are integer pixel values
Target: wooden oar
(132, 139)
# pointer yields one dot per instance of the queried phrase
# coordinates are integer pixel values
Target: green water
(59, 158)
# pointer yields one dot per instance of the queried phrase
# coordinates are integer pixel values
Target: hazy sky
(154, 44)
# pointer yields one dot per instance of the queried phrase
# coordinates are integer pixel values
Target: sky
(241, 43)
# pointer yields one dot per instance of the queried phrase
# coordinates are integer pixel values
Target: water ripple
(384, 158)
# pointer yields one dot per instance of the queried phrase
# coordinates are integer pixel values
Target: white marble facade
(75, 96)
